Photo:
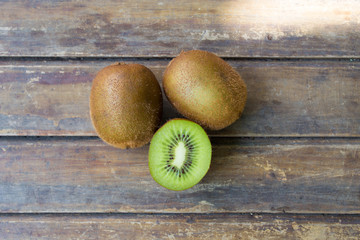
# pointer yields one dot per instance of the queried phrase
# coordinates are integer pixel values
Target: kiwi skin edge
(205, 89)
(125, 105)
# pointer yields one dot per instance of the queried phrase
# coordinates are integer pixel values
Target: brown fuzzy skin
(125, 105)
(205, 89)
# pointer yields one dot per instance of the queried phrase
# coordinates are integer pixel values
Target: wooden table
(288, 169)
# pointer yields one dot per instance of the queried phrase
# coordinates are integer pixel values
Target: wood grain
(230, 28)
(246, 175)
(282, 187)
(178, 226)
(285, 98)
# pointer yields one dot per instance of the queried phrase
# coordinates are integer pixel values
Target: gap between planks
(166, 214)
(164, 58)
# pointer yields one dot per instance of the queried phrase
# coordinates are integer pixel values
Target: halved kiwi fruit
(205, 89)
(179, 154)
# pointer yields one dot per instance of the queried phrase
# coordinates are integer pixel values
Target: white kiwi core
(180, 155)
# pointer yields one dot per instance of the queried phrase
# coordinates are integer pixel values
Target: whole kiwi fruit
(205, 89)
(125, 105)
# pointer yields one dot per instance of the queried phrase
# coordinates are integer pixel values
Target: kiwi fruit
(205, 89)
(179, 154)
(125, 105)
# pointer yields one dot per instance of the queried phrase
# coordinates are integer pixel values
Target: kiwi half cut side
(179, 154)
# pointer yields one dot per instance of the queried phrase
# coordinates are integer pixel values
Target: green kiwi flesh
(179, 154)
(205, 89)
(125, 105)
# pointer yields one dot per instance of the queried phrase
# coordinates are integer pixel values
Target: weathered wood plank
(179, 226)
(246, 175)
(285, 98)
(281, 28)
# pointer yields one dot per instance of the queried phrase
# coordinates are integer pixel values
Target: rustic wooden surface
(288, 98)
(246, 175)
(288, 169)
(280, 28)
(180, 226)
